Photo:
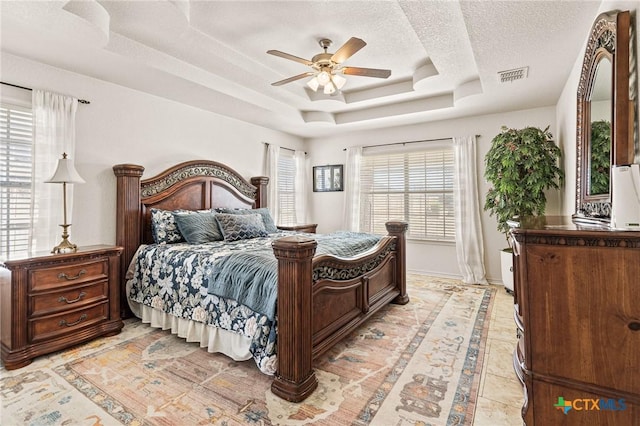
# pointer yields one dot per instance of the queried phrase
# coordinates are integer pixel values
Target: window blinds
(286, 188)
(16, 154)
(415, 186)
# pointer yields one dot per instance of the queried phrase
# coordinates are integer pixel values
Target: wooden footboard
(322, 299)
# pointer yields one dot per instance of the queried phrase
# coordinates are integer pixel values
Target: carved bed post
(260, 182)
(127, 220)
(399, 230)
(295, 378)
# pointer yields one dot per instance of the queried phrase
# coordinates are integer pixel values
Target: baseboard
(435, 274)
(490, 280)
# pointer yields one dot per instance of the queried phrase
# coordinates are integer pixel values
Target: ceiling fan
(327, 67)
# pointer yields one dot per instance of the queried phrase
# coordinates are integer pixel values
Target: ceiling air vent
(513, 75)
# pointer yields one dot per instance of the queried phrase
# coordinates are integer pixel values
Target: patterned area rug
(417, 364)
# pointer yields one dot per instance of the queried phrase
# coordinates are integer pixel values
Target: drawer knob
(634, 326)
(62, 275)
(77, 299)
(71, 324)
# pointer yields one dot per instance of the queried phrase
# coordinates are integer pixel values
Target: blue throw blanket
(251, 277)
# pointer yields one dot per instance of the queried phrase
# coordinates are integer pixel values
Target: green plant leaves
(520, 165)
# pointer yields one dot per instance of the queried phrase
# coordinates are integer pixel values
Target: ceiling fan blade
(290, 57)
(290, 79)
(367, 72)
(348, 49)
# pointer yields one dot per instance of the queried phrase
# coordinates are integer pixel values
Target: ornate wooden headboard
(192, 185)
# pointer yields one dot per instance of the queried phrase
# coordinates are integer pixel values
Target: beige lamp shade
(65, 172)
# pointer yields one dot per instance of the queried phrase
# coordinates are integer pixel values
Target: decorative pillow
(241, 226)
(198, 227)
(164, 228)
(269, 225)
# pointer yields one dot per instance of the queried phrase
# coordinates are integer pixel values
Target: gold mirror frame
(610, 39)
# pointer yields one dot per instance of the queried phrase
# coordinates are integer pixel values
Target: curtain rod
(403, 143)
(81, 101)
(282, 147)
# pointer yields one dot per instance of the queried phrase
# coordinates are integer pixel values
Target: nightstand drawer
(45, 328)
(68, 298)
(72, 273)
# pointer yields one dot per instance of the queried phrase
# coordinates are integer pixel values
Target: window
(286, 188)
(415, 186)
(16, 151)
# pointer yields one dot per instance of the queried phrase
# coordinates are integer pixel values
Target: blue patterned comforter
(251, 277)
(192, 282)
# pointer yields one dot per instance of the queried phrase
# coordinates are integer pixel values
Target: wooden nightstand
(309, 227)
(51, 302)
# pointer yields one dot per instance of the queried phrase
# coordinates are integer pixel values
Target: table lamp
(65, 173)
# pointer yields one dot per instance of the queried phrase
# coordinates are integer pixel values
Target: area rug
(417, 364)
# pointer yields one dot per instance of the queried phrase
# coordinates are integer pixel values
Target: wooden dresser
(577, 311)
(50, 302)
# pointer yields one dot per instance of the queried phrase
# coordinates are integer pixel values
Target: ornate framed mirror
(606, 112)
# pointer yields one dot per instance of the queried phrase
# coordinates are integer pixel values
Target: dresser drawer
(68, 298)
(49, 327)
(72, 273)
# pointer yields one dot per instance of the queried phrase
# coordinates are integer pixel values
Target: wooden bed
(321, 299)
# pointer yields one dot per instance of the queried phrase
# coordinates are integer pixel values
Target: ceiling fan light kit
(329, 89)
(313, 84)
(323, 77)
(328, 67)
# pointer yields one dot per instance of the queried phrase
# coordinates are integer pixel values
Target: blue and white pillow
(269, 224)
(241, 226)
(198, 227)
(164, 228)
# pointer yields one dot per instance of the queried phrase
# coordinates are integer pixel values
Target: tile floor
(500, 396)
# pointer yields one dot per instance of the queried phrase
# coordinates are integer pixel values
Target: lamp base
(65, 245)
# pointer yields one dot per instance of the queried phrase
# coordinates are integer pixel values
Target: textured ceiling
(444, 55)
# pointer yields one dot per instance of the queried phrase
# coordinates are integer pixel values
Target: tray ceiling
(445, 56)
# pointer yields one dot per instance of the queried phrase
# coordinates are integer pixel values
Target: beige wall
(127, 126)
(430, 257)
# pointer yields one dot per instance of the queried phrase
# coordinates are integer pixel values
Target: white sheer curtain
(469, 242)
(352, 189)
(54, 134)
(273, 156)
(301, 186)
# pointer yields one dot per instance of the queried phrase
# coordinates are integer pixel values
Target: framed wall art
(328, 178)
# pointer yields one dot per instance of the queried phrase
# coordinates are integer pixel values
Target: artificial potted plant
(520, 165)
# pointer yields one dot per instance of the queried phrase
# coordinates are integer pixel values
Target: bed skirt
(215, 339)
